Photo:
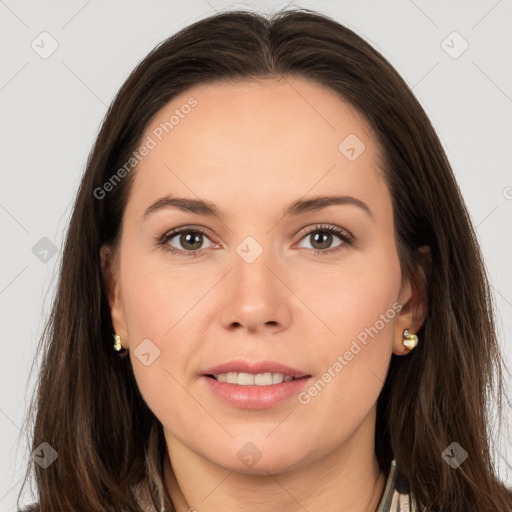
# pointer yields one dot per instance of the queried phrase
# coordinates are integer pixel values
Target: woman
(330, 342)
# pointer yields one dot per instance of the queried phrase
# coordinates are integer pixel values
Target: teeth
(263, 379)
(250, 379)
(245, 379)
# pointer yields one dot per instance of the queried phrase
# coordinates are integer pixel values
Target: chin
(254, 458)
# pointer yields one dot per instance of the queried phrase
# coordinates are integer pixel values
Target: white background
(51, 110)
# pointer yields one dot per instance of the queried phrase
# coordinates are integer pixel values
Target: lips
(254, 385)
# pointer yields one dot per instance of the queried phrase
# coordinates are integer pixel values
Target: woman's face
(281, 283)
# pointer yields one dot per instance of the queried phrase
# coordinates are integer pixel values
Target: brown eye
(322, 237)
(189, 241)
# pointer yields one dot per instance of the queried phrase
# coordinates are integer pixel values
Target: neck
(348, 478)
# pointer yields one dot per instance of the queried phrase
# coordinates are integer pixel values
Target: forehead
(270, 140)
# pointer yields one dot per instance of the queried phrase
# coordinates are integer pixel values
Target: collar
(396, 497)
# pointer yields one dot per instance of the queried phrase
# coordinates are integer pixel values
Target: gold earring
(410, 340)
(117, 342)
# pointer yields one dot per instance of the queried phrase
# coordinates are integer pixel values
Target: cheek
(162, 342)
(360, 309)
(158, 317)
(158, 297)
(359, 300)
(164, 308)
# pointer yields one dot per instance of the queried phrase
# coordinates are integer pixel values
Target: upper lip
(255, 367)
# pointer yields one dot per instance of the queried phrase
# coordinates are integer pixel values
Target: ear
(414, 301)
(110, 273)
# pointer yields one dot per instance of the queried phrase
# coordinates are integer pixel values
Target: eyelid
(339, 231)
(186, 228)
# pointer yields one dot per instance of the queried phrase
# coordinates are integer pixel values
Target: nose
(255, 298)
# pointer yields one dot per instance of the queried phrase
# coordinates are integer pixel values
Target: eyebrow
(296, 208)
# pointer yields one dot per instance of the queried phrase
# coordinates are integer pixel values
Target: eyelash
(344, 235)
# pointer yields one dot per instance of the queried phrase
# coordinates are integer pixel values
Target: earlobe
(414, 310)
(112, 289)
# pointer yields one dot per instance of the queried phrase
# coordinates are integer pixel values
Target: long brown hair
(87, 405)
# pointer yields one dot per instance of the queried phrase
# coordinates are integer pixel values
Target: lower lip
(255, 397)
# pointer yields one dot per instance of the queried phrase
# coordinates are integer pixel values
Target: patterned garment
(396, 497)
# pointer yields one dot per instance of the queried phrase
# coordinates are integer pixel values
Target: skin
(252, 148)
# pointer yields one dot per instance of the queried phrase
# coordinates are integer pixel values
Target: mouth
(253, 379)
(254, 384)
(241, 372)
